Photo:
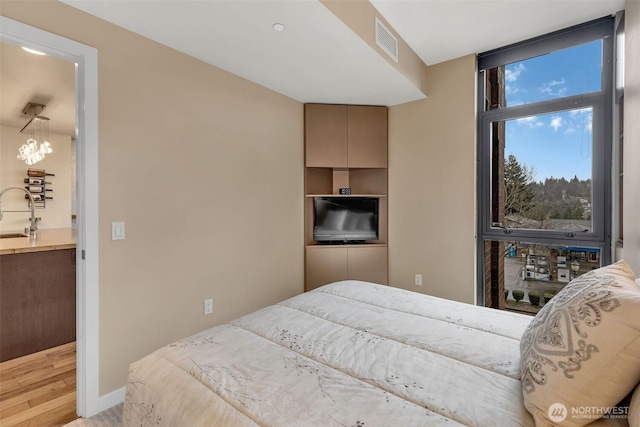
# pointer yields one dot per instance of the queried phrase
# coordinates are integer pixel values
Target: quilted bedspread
(347, 354)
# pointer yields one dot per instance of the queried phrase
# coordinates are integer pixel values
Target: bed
(346, 354)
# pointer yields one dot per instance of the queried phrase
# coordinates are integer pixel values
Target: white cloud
(556, 123)
(549, 88)
(556, 82)
(512, 74)
(580, 112)
(531, 121)
(549, 91)
(582, 117)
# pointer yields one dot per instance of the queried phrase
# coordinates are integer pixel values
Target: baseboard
(111, 399)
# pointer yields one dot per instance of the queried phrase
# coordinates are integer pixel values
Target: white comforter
(346, 354)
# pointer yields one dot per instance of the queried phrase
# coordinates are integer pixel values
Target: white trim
(86, 60)
(112, 399)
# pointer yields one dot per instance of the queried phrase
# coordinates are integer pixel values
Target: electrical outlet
(419, 279)
(208, 306)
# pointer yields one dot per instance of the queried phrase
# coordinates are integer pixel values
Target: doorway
(85, 59)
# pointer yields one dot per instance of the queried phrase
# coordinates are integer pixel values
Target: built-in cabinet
(345, 147)
(326, 264)
(345, 136)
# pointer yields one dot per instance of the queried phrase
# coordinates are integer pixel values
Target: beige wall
(432, 185)
(631, 208)
(57, 212)
(205, 169)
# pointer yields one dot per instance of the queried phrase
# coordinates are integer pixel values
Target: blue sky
(557, 144)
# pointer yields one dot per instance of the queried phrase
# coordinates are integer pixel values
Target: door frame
(85, 59)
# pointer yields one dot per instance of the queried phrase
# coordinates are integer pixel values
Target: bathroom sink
(12, 235)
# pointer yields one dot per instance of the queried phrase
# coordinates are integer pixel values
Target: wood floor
(39, 389)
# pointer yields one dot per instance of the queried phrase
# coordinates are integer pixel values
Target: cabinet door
(326, 135)
(368, 263)
(325, 264)
(367, 136)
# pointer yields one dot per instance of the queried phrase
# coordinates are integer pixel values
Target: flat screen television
(339, 220)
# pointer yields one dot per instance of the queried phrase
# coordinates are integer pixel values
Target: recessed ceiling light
(278, 27)
(35, 52)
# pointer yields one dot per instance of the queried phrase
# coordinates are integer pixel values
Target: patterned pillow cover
(634, 408)
(581, 353)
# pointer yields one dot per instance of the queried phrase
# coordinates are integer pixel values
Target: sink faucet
(34, 221)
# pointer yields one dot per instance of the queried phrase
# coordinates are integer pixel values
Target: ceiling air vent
(386, 40)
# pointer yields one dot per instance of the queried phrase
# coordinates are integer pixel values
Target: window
(547, 171)
(544, 160)
(619, 96)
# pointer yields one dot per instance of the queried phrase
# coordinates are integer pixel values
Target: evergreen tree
(553, 198)
(519, 186)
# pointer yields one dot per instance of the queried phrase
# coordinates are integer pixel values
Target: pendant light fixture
(37, 128)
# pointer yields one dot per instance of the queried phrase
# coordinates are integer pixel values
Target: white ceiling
(317, 58)
(25, 77)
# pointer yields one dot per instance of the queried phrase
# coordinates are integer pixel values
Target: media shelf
(345, 195)
(360, 180)
(347, 245)
(345, 147)
(382, 220)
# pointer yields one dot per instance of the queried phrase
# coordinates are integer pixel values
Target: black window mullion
(544, 107)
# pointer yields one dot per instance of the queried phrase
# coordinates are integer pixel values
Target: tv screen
(345, 219)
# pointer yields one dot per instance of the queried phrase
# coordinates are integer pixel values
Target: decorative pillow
(581, 353)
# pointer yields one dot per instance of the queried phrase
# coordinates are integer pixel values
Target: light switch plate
(208, 306)
(117, 230)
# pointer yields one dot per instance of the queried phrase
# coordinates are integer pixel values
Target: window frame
(599, 173)
(602, 154)
(619, 45)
